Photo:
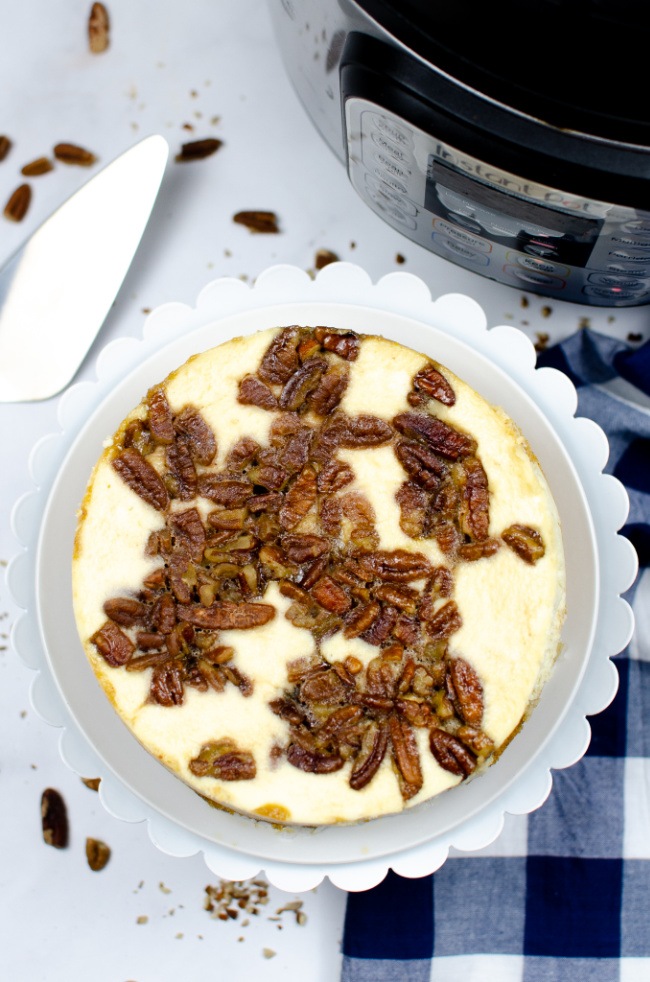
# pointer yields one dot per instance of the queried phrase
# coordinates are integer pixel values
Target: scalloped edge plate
(500, 363)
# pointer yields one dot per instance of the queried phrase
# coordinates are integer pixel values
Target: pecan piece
(346, 344)
(225, 761)
(200, 438)
(258, 221)
(303, 381)
(526, 542)
(280, 359)
(331, 596)
(468, 691)
(231, 494)
(181, 466)
(373, 750)
(441, 437)
(334, 476)
(413, 504)
(365, 431)
(18, 203)
(114, 645)
(98, 28)
(97, 854)
(400, 596)
(313, 762)
(451, 754)
(187, 526)
(397, 566)
(329, 391)
(126, 611)
(161, 424)
(300, 548)
(269, 502)
(54, 819)
(294, 454)
(407, 758)
(166, 686)
(421, 464)
(68, 153)
(382, 627)
(226, 615)
(141, 477)
(37, 167)
(253, 392)
(198, 149)
(324, 688)
(163, 614)
(339, 719)
(5, 146)
(474, 512)
(473, 551)
(241, 454)
(360, 619)
(299, 498)
(435, 385)
(445, 622)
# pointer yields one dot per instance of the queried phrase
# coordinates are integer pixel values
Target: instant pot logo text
(513, 184)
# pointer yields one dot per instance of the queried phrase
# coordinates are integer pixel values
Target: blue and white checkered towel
(564, 894)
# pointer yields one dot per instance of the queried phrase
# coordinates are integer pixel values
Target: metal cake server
(56, 291)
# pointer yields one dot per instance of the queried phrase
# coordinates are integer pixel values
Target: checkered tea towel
(563, 895)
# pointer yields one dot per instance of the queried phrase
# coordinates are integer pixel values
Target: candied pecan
(226, 615)
(339, 718)
(270, 502)
(114, 645)
(417, 713)
(294, 454)
(323, 687)
(446, 500)
(359, 511)
(447, 536)
(126, 611)
(300, 548)
(470, 552)
(382, 626)
(181, 465)
(313, 572)
(54, 819)
(224, 491)
(373, 750)
(450, 753)
(330, 595)
(329, 391)
(468, 691)
(413, 504)
(97, 852)
(98, 39)
(441, 437)
(228, 520)
(360, 619)
(400, 596)
(474, 512)
(271, 477)
(198, 149)
(137, 434)
(434, 383)
(526, 542)
(285, 425)
(442, 581)
(241, 454)
(141, 477)
(238, 679)
(275, 562)
(308, 347)
(382, 676)
(407, 758)
(212, 675)
(288, 710)
(334, 475)
(365, 431)
(180, 574)
(303, 381)
(193, 427)
(396, 566)
(314, 762)
(189, 527)
(149, 640)
(477, 741)
(167, 684)
(346, 344)
(330, 513)
(445, 622)
(161, 422)
(296, 593)
(225, 761)
(299, 498)
(280, 359)
(258, 221)
(407, 630)
(421, 464)
(253, 392)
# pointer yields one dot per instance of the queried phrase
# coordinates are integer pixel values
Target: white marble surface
(211, 65)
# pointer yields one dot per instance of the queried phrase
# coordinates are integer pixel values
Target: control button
(391, 181)
(393, 168)
(628, 256)
(613, 280)
(537, 265)
(638, 241)
(391, 212)
(536, 279)
(460, 251)
(461, 235)
(467, 223)
(542, 249)
(387, 146)
(380, 188)
(627, 269)
(611, 292)
(392, 129)
(639, 225)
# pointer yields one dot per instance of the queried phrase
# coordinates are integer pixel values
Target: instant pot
(510, 138)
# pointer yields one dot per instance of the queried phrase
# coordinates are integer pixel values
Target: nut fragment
(68, 153)
(198, 149)
(98, 28)
(16, 207)
(258, 221)
(526, 542)
(54, 818)
(37, 167)
(5, 146)
(97, 854)
(324, 257)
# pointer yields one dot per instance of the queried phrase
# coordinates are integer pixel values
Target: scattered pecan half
(54, 819)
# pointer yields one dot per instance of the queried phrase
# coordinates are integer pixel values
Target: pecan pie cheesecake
(318, 576)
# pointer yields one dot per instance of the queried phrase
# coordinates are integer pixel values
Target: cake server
(56, 291)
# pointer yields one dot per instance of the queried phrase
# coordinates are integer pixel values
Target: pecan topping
(303, 381)
(161, 422)
(331, 596)
(114, 645)
(422, 466)
(446, 621)
(18, 203)
(451, 754)
(472, 551)
(181, 466)
(68, 153)
(126, 611)
(398, 566)
(167, 684)
(343, 343)
(300, 548)
(468, 691)
(329, 391)
(439, 436)
(299, 498)
(225, 761)
(98, 28)
(141, 478)
(226, 616)
(474, 513)
(406, 754)
(253, 392)
(373, 750)
(54, 819)
(434, 384)
(37, 167)
(526, 542)
(281, 358)
(198, 434)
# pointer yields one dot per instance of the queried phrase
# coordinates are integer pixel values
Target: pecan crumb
(37, 167)
(98, 28)
(5, 146)
(97, 854)
(92, 782)
(258, 221)
(54, 818)
(16, 207)
(198, 149)
(68, 153)
(324, 257)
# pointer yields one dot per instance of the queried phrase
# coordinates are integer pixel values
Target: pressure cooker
(513, 139)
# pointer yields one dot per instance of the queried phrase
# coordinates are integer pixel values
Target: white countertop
(213, 66)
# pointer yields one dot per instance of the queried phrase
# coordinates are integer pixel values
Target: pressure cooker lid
(576, 64)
